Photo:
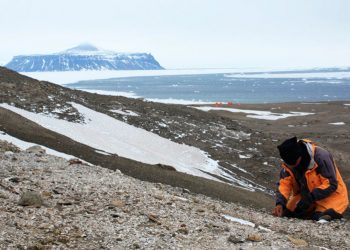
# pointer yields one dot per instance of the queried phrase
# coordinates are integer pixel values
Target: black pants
(333, 214)
(300, 214)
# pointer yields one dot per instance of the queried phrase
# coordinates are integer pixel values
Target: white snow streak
(23, 145)
(245, 156)
(107, 134)
(124, 112)
(240, 221)
(244, 222)
(257, 114)
(337, 123)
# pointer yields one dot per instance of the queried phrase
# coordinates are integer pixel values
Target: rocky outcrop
(30, 198)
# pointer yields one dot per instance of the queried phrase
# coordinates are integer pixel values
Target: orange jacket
(323, 179)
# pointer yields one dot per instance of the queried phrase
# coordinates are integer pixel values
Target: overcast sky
(185, 33)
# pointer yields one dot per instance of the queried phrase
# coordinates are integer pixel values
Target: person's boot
(324, 218)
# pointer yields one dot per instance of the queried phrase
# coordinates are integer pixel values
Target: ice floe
(304, 76)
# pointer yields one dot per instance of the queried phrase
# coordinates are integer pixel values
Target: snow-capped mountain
(84, 57)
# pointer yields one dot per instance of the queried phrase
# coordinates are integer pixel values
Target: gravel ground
(51, 203)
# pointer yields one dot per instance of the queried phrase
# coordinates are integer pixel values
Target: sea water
(226, 88)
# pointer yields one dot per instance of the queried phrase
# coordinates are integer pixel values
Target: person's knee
(293, 201)
(294, 214)
(329, 214)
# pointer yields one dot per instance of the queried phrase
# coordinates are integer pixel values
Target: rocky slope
(245, 147)
(224, 139)
(51, 203)
(84, 57)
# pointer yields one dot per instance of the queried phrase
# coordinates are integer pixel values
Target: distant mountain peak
(83, 47)
(84, 57)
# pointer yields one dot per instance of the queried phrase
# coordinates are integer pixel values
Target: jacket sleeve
(327, 173)
(284, 188)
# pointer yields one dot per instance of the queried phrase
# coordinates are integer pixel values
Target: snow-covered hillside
(110, 136)
(84, 57)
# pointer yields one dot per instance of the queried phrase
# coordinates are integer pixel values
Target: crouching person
(310, 185)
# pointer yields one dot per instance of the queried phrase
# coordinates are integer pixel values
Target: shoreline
(194, 102)
(66, 77)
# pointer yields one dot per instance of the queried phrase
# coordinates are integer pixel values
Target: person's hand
(304, 203)
(277, 211)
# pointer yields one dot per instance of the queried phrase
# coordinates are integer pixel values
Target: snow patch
(245, 222)
(107, 134)
(257, 114)
(240, 221)
(23, 145)
(240, 169)
(102, 152)
(245, 156)
(311, 103)
(162, 124)
(124, 112)
(337, 123)
(322, 221)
